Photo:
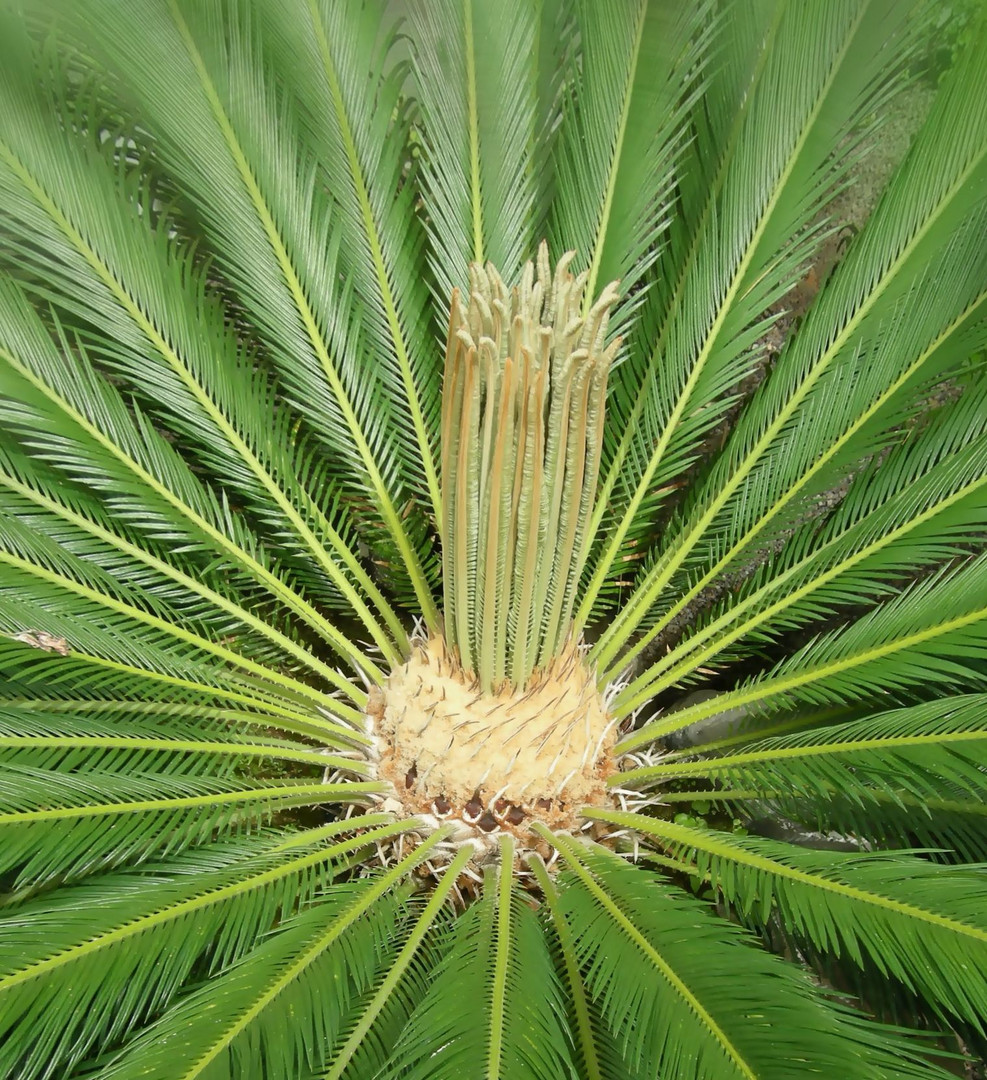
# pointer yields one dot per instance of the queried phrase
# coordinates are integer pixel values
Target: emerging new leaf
(502, 717)
(522, 430)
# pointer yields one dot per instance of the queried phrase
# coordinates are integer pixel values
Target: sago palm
(456, 621)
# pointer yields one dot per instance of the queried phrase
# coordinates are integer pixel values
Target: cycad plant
(454, 622)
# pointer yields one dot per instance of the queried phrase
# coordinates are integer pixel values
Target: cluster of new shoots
(522, 431)
(500, 720)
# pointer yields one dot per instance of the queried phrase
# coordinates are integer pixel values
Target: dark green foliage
(229, 231)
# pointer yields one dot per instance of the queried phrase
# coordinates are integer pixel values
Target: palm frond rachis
(254, 540)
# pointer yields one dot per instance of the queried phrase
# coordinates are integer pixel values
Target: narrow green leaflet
(918, 921)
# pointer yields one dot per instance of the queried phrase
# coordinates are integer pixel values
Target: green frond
(447, 1034)
(135, 743)
(349, 97)
(686, 993)
(65, 408)
(45, 574)
(26, 665)
(309, 969)
(605, 704)
(874, 321)
(951, 829)
(485, 115)
(36, 674)
(920, 752)
(595, 1048)
(911, 509)
(919, 921)
(494, 989)
(922, 636)
(626, 109)
(128, 941)
(231, 151)
(39, 505)
(57, 824)
(823, 69)
(377, 1023)
(317, 962)
(102, 259)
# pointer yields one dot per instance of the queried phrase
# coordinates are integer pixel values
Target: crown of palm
(349, 711)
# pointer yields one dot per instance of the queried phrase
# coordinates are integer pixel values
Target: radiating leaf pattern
(234, 502)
